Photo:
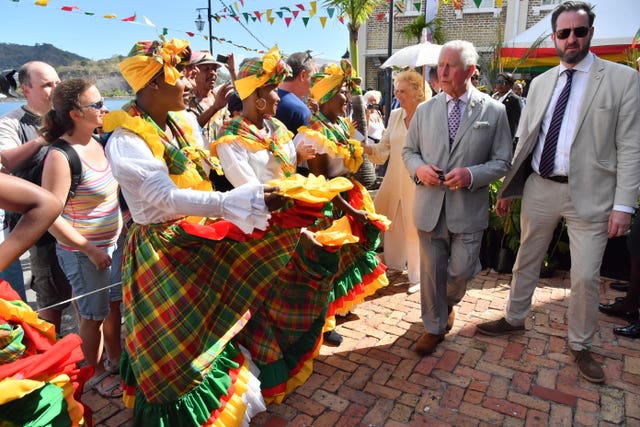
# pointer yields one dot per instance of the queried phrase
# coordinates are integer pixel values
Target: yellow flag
(42, 2)
(323, 21)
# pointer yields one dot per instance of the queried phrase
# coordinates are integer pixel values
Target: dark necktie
(547, 160)
(454, 120)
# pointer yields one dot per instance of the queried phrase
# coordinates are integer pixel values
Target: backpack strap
(75, 165)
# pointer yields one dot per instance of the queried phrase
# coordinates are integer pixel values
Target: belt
(562, 179)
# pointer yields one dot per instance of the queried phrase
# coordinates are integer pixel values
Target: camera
(222, 59)
(373, 106)
(8, 84)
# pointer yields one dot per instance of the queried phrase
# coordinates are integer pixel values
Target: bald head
(37, 80)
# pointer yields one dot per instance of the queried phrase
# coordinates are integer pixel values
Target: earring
(261, 104)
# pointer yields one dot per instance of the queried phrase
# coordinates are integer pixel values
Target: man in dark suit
(458, 142)
(511, 101)
(577, 159)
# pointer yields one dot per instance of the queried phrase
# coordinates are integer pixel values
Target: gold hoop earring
(261, 104)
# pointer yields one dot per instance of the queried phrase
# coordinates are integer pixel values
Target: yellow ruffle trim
(351, 162)
(298, 379)
(14, 389)
(234, 411)
(379, 282)
(148, 132)
(311, 189)
(338, 234)
(19, 310)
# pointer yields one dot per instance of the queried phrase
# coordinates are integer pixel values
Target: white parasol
(417, 55)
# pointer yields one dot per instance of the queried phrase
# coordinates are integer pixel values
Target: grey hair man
(293, 91)
(458, 142)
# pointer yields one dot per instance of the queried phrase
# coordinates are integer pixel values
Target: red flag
(300, 6)
(287, 20)
(130, 19)
(69, 8)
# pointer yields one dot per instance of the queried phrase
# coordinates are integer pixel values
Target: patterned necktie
(454, 120)
(547, 160)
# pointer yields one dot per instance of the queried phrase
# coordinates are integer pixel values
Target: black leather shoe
(332, 338)
(632, 330)
(619, 286)
(618, 309)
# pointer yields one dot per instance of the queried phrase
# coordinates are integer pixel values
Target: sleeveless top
(94, 211)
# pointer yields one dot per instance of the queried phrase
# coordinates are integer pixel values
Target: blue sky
(96, 37)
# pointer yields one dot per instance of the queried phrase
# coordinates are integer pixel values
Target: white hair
(468, 54)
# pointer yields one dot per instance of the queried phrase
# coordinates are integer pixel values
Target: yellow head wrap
(255, 74)
(147, 58)
(326, 84)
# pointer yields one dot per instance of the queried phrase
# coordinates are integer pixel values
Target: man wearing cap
(206, 103)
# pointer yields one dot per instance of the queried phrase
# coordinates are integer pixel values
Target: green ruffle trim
(194, 407)
(42, 407)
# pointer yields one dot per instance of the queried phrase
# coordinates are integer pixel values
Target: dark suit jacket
(513, 106)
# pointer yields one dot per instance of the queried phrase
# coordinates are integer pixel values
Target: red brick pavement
(375, 379)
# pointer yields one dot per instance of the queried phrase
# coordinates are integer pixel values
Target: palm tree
(357, 13)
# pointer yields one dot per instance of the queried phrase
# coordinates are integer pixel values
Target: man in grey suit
(457, 143)
(578, 158)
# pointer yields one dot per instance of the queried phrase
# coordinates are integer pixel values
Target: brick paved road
(375, 379)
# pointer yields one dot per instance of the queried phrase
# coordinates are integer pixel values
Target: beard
(575, 56)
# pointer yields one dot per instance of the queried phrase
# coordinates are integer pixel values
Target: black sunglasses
(565, 32)
(97, 105)
(475, 77)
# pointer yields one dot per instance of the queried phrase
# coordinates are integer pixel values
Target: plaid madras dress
(191, 293)
(361, 273)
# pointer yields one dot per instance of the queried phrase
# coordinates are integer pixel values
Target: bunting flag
(69, 8)
(295, 14)
(288, 21)
(312, 12)
(111, 16)
(323, 21)
(129, 19)
(270, 18)
(636, 39)
(42, 2)
(305, 20)
(147, 21)
(300, 6)
(258, 15)
(499, 3)
(477, 2)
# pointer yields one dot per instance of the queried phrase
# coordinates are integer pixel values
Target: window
(486, 6)
(546, 6)
(410, 7)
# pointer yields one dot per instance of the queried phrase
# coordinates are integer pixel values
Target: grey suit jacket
(604, 161)
(482, 144)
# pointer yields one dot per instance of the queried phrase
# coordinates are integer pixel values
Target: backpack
(74, 164)
(33, 174)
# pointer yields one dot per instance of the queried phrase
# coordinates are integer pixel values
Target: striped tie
(547, 159)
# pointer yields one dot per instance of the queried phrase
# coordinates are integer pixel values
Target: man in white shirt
(577, 159)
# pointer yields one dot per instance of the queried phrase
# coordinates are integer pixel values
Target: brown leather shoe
(588, 368)
(428, 343)
(451, 318)
(499, 327)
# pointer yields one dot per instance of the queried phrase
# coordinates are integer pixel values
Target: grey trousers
(447, 262)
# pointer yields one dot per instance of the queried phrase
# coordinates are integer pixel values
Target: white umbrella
(416, 55)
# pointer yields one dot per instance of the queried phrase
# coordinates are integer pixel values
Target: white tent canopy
(616, 23)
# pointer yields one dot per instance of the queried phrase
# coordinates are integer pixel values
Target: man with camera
(206, 102)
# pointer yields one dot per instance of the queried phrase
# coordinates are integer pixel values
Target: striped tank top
(94, 211)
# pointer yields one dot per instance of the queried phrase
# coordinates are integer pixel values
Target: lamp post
(200, 23)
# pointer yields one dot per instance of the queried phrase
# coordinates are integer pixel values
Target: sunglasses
(475, 77)
(97, 105)
(501, 82)
(566, 32)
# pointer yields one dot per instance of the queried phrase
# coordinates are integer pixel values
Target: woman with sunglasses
(340, 155)
(87, 230)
